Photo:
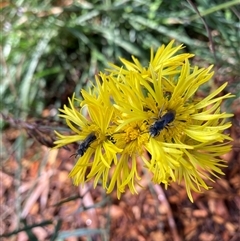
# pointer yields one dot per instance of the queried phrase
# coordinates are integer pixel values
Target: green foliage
(50, 50)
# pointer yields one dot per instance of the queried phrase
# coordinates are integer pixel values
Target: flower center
(134, 130)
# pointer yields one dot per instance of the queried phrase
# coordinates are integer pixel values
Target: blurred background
(50, 49)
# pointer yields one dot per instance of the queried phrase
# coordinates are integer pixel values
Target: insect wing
(89, 139)
(168, 118)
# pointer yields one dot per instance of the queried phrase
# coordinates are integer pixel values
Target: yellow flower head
(137, 109)
(96, 151)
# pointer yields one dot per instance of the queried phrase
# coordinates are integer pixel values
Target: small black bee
(161, 123)
(85, 145)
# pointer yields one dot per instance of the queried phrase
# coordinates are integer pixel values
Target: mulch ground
(38, 200)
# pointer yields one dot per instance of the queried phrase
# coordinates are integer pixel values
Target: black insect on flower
(161, 123)
(85, 145)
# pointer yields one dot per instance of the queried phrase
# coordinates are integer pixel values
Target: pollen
(132, 132)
